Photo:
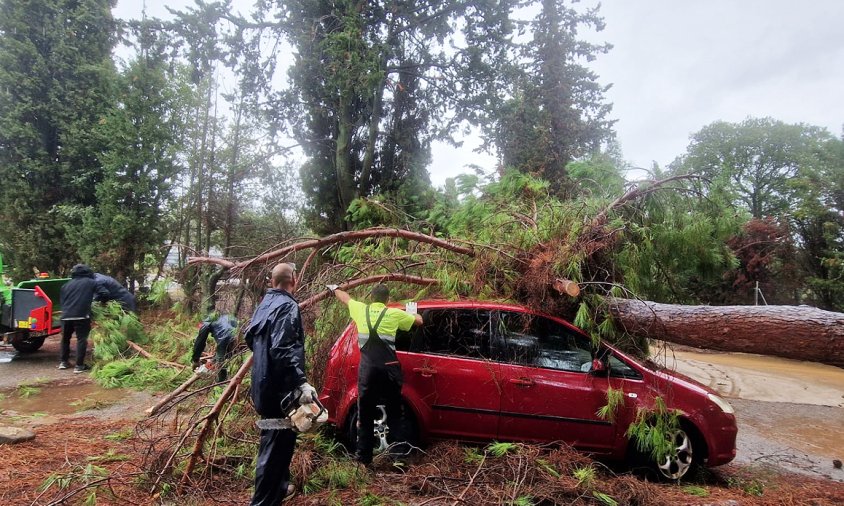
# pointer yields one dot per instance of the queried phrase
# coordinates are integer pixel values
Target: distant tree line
(232, 133)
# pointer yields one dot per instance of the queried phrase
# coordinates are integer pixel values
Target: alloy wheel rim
(678, 463)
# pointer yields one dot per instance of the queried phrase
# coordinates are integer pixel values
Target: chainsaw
(301, 417)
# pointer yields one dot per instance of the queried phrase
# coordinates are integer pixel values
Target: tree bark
(797, 332)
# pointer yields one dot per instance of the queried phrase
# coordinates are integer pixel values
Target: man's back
(109, 289)
(78, 293)
(276, 339)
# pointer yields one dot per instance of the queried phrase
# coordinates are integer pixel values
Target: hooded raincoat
(277, 340)
(109, 289)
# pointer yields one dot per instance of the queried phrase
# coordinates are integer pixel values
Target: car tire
(674, 468)
(28, 344)
(349, 435)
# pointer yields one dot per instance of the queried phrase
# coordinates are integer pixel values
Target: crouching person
(222, 328)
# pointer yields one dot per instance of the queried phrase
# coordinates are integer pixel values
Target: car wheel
(674, 467)
(28, 344)
(349, 435)
(350, 431)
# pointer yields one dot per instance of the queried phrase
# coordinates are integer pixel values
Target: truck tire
(27, 344)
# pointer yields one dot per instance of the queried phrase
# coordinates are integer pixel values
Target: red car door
(547, 391)
(447, 368)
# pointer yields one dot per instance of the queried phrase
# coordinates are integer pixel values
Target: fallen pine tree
(797, 332)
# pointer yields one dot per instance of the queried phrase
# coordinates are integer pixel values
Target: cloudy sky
(678, 65)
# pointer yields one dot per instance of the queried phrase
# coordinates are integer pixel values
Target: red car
(484, 371)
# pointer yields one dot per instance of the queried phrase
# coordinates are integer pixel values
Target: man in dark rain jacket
(277, 340)
(110, 289)
(76, 296)
(222, 329)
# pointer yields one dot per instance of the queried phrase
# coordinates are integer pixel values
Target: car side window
(619, 369)
(531, 340)
(457, 332)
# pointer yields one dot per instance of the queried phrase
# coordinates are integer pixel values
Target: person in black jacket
(76, 297)
(222, 329)
(110, 289)
(277, 340)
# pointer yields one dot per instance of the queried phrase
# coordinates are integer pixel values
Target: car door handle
(426, 372)
(522, 382)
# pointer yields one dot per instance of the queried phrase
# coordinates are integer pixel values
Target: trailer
(30, 311)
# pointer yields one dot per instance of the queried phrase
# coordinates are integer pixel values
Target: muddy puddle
(759, 377)
(47, 400)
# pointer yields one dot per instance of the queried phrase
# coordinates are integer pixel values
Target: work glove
(332, 287)
(306, 393)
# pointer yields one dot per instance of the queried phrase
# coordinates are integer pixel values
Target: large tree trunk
(798, 332)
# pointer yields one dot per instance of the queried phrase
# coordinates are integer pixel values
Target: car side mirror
(598, 367)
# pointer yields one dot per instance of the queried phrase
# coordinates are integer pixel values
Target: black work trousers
(225, 346)
(82, 329)
(272, 472)
(379, 385)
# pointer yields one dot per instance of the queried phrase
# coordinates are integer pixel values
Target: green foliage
(557, 112)
(27, 391)
(696, 491)
(334, 475)
(114, 327)
(127, 224)
(121, 435)
(158, 294)
(750, 485)
(110, 456)
(604, 499)
(523, 500)
(56, 85)
(472, 455)
(499, 449)
(790, 172)
(548, 467)
(137, 373)
(677, 250)
(615, 399)
(326, 445)
(82, 475)
(585, 476)
(653, 430)
(370, 499)
(752, 162)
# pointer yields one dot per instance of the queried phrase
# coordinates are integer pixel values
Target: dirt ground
(790, 430)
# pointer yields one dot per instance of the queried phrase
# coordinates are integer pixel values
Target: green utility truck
(30, 311)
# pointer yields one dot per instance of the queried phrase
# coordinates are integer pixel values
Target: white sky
(678, 65)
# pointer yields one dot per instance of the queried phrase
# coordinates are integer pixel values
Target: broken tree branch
(150, 356)
(350, 236)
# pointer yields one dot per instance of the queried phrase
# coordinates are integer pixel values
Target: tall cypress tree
(557, 112)
(56, 77)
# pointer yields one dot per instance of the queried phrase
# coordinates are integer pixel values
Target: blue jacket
(222, 329)
(77, 294)
(109, 289)
(277, 340)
